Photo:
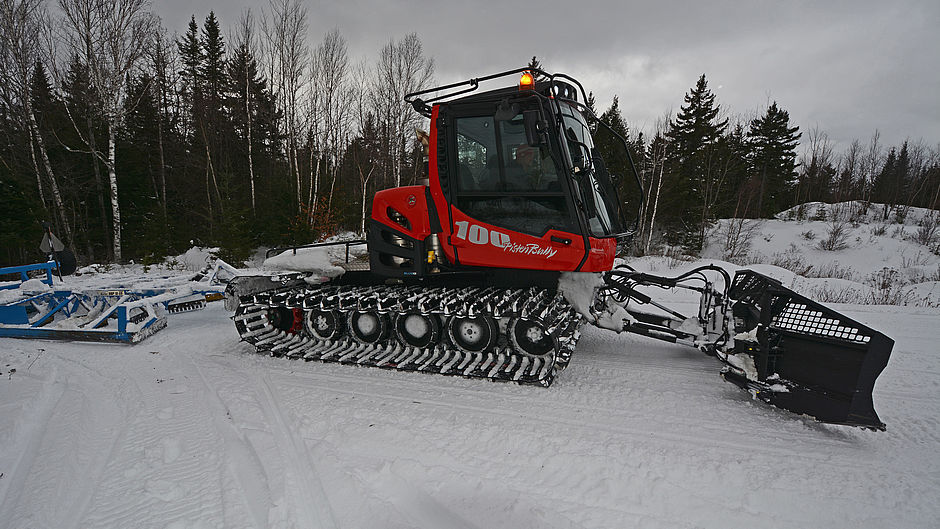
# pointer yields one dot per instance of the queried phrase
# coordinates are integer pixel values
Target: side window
(527, 168)
(503, 181)
(476, 145)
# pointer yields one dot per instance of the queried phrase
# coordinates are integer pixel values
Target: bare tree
(331, 65)
(402, 69)
(365, 164)
(850, 164)
(658, 153)
(871, 165)
(245, 42)
(815, 178)
(163, 62)
(21, 27)
(284, 26)
(110, 37)
(920, 159)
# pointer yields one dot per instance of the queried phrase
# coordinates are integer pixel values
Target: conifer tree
(212, 68)
(892, 180)
(191, 56)
(535, 64)
(85, 109)
(609, 145)
(694, 135)
(591, 104)
(772, 143)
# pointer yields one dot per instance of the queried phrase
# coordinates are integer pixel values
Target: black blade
(809, 358)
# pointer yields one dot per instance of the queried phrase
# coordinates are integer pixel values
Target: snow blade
(808, 358)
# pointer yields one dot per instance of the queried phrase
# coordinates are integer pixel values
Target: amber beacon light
(526, 82)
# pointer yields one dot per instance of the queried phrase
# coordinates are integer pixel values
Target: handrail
(354, 242)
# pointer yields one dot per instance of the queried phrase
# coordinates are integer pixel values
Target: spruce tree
(591, 104)
(609, 145)
(694, 134)
(191, 56)
(772, 143)
(138, 167)
(212, 69)
(85, 108)
(535, 64)
(893, 179)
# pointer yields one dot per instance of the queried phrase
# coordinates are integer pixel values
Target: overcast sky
(846, 67)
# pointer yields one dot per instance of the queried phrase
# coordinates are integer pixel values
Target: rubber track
(501, 362)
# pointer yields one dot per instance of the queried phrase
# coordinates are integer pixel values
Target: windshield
(599, 199)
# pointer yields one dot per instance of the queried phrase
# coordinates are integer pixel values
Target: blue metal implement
(118, 315)
(22, 269)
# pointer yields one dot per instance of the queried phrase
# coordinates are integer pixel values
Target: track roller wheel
(285, 319)
(367, 327)
(529, 337)
(323, 324)
(473, 335)
(418, 330)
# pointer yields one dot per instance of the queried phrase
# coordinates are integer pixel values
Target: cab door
(510, 206)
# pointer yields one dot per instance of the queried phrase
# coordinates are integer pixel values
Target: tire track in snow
(241, 459)
(28, 442)
(430, 383)
(368, 388)
(835, 437)
(154, 476)
(298, 463)
(96, 427)
(651, 443)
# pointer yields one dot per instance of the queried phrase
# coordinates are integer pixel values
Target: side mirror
(534, 128)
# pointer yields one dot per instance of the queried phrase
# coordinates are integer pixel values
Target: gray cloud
(847, 67)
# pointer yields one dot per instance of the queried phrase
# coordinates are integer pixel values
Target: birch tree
(21, 27)
(162, 62)
(331, 65)
(110, 37)
(245, 47)
(284, 26)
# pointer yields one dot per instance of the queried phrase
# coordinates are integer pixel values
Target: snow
(885, 262)
(30, 287)
(316, 260)
(578, 289)
(195, 259)
(321, 261)
(192, 429)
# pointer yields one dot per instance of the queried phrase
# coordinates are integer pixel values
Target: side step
(807, 358)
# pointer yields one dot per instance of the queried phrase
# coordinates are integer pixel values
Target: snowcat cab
(515, 183)
(465, 273)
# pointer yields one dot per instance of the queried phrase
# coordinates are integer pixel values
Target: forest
(136, 141)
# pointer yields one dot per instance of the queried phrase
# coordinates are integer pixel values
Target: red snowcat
(491, 269)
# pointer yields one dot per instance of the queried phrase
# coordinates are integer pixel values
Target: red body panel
(411, 203)
(601, 256)
(482, 244)
(470, 242)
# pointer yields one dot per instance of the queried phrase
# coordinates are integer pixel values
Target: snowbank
(840, 253)
(194, 259)
(319, 261)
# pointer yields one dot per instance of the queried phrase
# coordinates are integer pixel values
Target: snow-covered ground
(191, 429)
(841, 253)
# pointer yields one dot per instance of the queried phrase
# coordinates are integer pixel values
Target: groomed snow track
(520, 335)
